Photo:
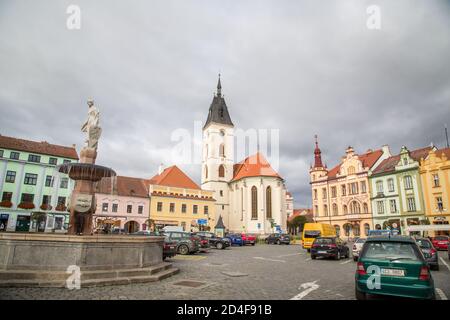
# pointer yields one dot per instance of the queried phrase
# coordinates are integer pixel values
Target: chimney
(160, 168)
(386, 150)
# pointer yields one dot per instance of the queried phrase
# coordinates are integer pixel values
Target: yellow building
(341, 196)
(176, 200)
(435, 176)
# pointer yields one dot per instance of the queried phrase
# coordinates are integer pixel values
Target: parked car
(235, 239)
(440, 242)
(248, 239)
(215, 241)
(429, 252)
(327, 247)
(357, 246)
(448, 250)
(169, 249)
(204, 242)
(118, 231)
(278, 238)
(403, 270)
(142, 233)
(186, 243)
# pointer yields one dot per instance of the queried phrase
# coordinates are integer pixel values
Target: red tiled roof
(388, 165)
(38, 147)
(368, 159)
(254, 166)
(298, 212)
(173, 177)
(124, 186)
(445, 151)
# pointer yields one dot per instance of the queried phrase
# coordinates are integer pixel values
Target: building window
(1, 153)
(53, 161)
(140, 209)
(345, 209)
(440, 204)
(269, 202)
(391, 185)
(316, 211)
(363, 187)
(10, 176)
(324, 193)
(380, 207)
(315, 194)
(222, 150)
(221, 171)
(46, 199)
(64, 183)
(343, 190)
(335, 209)
(351, 170)
(67, 161)
(61, 201)
(183, 208)
(379, 186)
(7, 196)
(159, 206)
(325, 210)
(408, 182)
(365, 208)
(205, 209)
(366, 229)
(30, 179)
(436, 180)
(172, 207)
(195, 209)
(14, 155)
(354, 188)
(129, 208)
(355, 207)
(221, 193)
(254, 203)
(411, 204)
(206, 171)
(115, 207)
(333, 192)
(49, 181)
(405, 161)
(34, 158)
(27, 198)
(393, 205)
(104, 207)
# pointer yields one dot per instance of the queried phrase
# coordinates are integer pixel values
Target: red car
(248, 239)
(440, 242)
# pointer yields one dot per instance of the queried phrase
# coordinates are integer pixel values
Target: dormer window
(405, 161)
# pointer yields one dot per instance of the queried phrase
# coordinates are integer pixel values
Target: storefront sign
(83, 202)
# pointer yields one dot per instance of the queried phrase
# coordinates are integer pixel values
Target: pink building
(125, 207)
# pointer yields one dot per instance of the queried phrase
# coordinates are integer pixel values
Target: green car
(393, 266)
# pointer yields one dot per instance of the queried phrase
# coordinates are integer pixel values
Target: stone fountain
(80, 258)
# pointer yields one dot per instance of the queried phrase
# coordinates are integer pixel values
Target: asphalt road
(259, 272)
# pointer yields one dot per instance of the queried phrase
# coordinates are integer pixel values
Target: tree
(297, 223)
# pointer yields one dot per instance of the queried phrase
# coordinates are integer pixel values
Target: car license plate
(393, 272)
(172, 247)
(322, 251)
(442, 242)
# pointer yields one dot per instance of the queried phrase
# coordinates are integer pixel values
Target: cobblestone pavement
(259, 272)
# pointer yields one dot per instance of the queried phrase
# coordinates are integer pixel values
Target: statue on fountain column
(92, 126)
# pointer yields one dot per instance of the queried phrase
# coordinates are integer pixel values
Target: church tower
(317, 171)
(218, 155)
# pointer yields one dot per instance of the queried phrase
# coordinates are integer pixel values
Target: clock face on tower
(222, 133)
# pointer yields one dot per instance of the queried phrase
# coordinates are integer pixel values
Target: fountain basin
(86, 171)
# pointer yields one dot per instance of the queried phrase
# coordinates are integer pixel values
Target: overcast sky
(303, 67)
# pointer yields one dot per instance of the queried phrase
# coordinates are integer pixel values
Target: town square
(207, 151)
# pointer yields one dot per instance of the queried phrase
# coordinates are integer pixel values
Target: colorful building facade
(176, 200)
(341, 196)
(396, 191)
(122, 203)
(34, 197)
(435, 177)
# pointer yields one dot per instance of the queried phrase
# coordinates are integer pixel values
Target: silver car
(357, 246)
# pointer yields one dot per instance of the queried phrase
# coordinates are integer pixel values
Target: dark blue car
(236, 239)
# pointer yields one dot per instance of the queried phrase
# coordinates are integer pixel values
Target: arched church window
(221, 171)
(222, 150)
(269, 202)
(206, 172)
(254, 203)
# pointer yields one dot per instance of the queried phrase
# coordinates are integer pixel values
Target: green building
(34, 197)
(396, 192)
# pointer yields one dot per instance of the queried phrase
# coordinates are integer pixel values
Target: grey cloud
(303, 67)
